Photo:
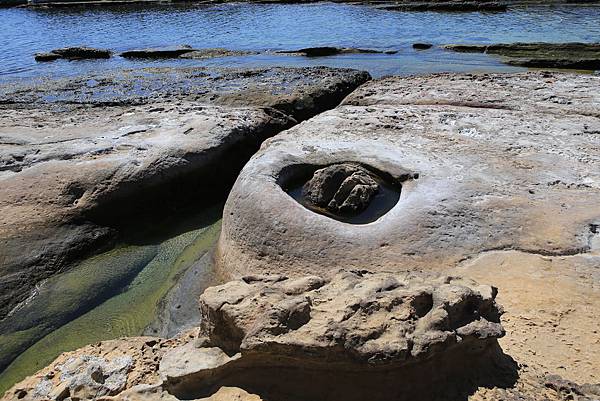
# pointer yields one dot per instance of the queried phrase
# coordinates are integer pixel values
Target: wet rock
(74, 53)
(47, 56)
(341, 188)
(422, 46)
(12, 3)
(332, 51)
(159, 52)
(582, 56)
(215, 53)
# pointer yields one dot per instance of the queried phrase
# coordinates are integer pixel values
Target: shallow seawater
(271, 27)
(157, 265)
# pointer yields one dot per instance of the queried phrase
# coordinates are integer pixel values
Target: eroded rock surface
(357, 336)
(341, 188)
(486, 180)
(508, 181)
(357, 317)
(80, 158)
(360, 329)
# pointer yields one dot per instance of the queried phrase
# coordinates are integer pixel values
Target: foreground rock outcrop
(578, 56)
(499, 175)
(485, 178)
(359, 333)
(82, 158)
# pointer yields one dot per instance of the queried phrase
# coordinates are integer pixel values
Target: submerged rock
(583, 56)
(332, 51)
(74, 53)
(158, 52)
(215, 53)
(341, 188)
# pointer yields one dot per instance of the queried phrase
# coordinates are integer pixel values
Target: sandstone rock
(74, 174)
(341, 188)
(476, 189)
(97, 371)
(357, 334)
(357, 317)
(74, 53)
(580, 56)
(158, 52)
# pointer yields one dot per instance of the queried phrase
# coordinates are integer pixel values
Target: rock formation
(74, 53)
(474, 185)
(368, 333)
(341, 188)
(500, 180)
(323, 51)
(158, 52)
(578, 56)
(69, 184)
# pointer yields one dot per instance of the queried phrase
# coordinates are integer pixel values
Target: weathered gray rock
(74, 53)
(477, 189)
(579, 56)
(341, 188)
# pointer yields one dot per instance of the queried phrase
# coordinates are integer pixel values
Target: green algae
(66, 296)
(125, 314)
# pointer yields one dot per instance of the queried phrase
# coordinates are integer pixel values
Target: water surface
(271, 27)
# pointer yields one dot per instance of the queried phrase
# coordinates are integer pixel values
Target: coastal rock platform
(82, 158)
